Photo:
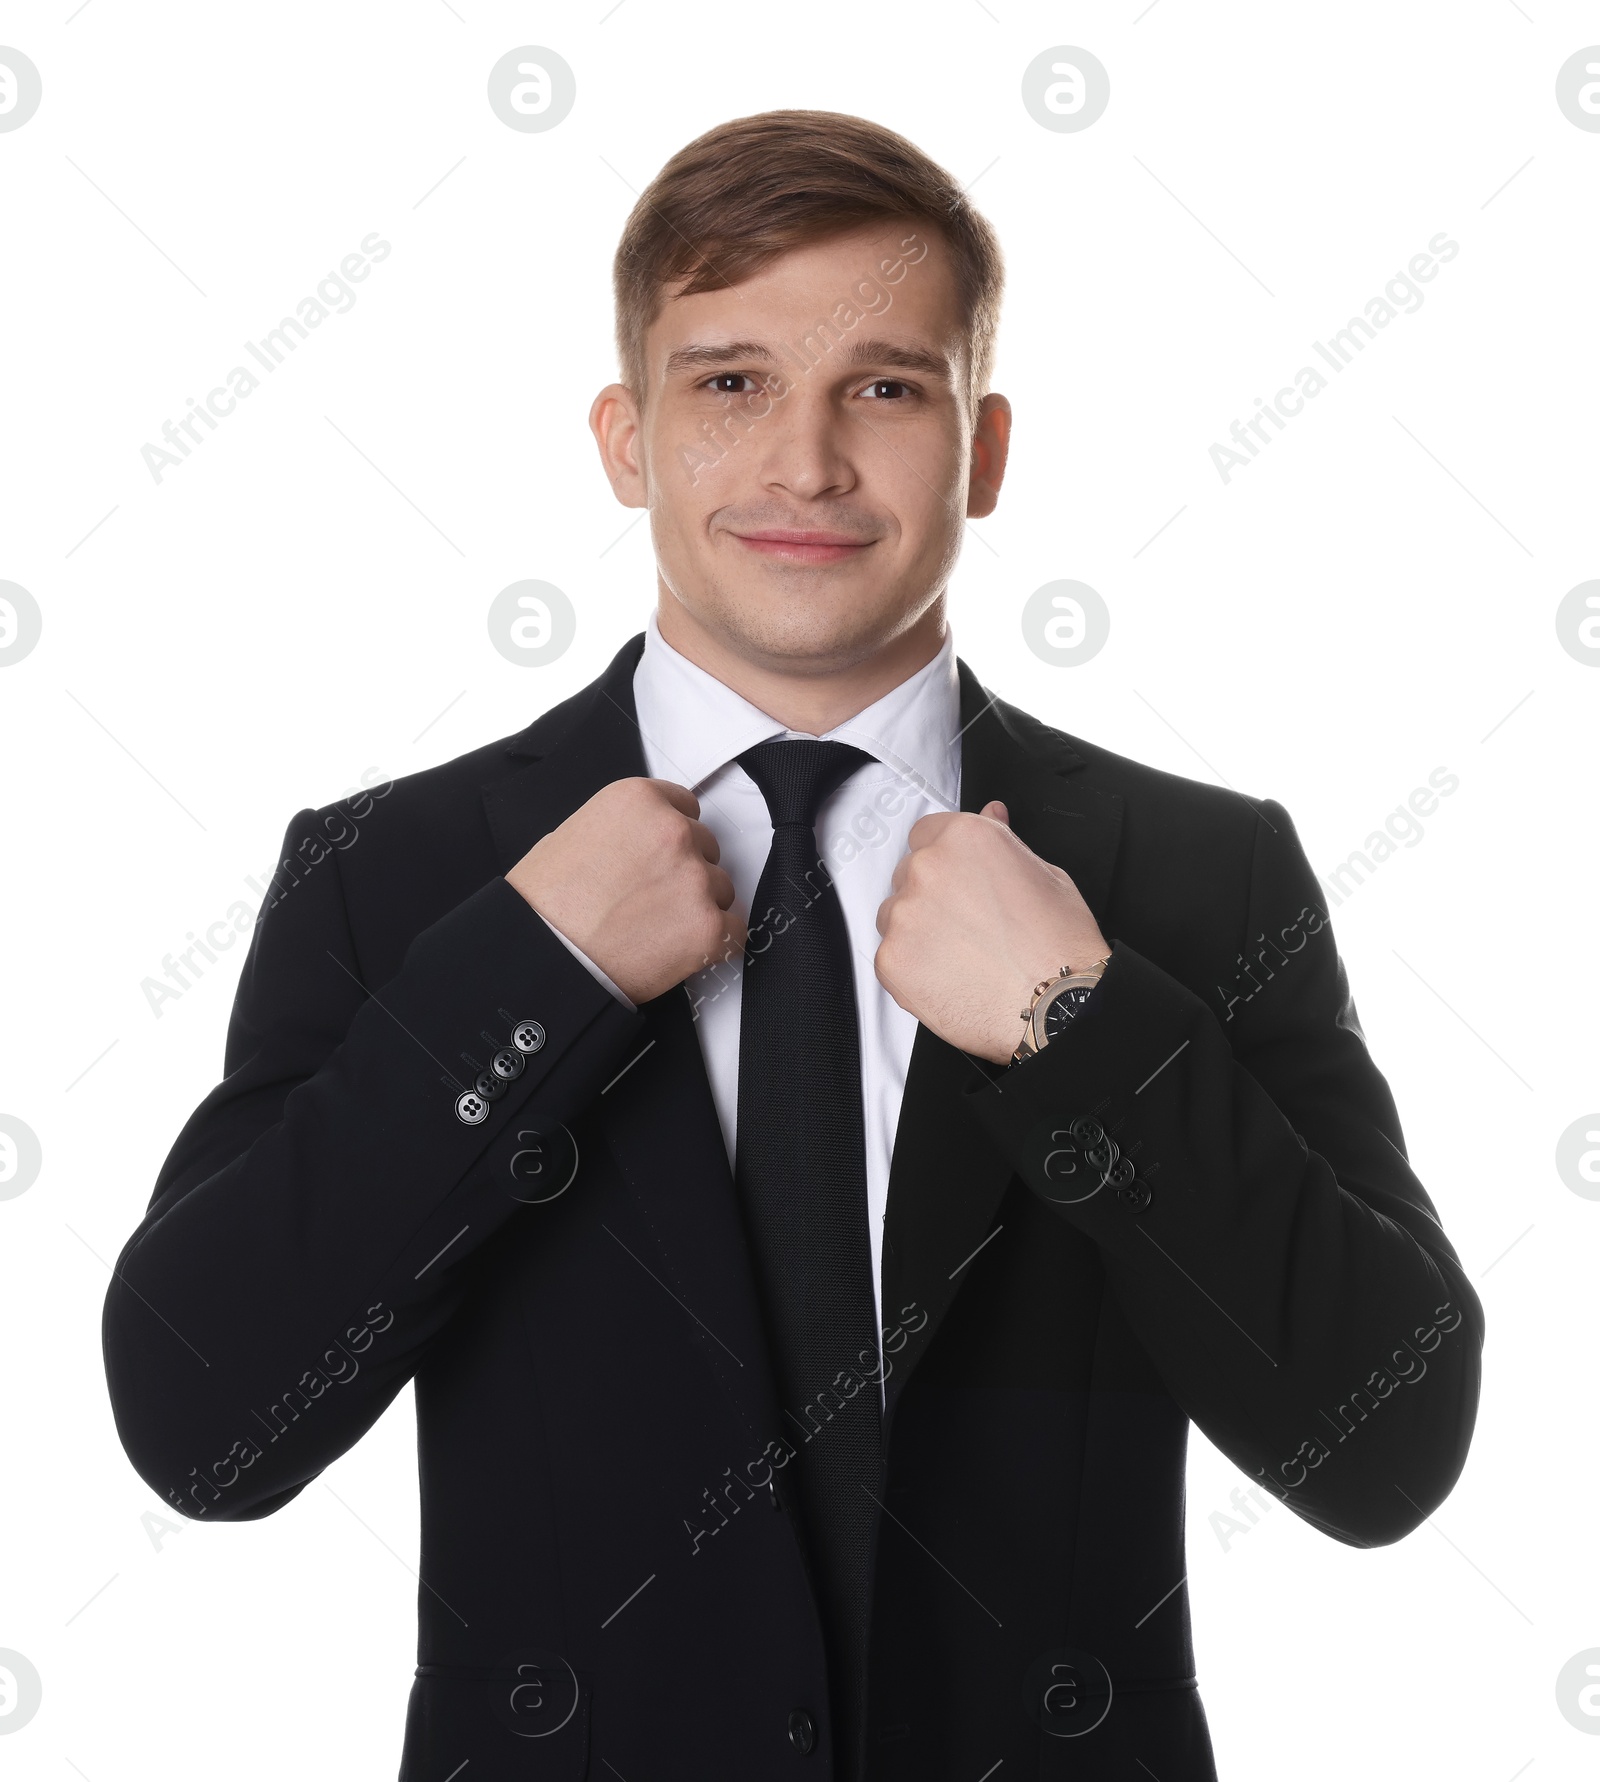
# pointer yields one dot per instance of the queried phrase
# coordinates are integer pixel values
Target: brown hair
(757, 187)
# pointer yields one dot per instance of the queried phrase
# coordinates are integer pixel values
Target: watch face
(1063, 1006)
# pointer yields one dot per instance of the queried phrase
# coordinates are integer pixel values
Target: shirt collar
(694, 725)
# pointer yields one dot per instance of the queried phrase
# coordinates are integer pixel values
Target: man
(814, 1135)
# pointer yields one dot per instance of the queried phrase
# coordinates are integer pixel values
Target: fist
(973, 921)
(631, 879)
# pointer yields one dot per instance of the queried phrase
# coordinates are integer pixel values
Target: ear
(991, 443)
(616, 424)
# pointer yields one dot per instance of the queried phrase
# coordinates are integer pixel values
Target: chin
(790, 629)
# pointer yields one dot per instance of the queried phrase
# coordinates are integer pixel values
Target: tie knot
(795, 774)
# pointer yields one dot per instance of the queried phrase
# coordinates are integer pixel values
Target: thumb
(995, 809)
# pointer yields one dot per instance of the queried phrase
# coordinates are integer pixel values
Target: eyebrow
(856, 353)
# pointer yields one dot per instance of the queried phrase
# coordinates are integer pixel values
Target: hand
(631, 879)
(974, 920)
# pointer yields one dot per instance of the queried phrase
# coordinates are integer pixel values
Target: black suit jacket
(611, 1580)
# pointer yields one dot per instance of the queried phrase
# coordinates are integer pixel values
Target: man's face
(805, 449)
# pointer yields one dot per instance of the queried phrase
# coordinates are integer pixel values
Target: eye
(886, 389)
(719, 383)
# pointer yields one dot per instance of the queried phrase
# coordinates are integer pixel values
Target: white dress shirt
(692, 728)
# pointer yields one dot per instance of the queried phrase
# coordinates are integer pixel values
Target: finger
(894, 994)
(883, 910)
(929, 828)
(720, 886)
(679, 797)
(995, 809)
(897, 879)
(734, 937)
(705, 841)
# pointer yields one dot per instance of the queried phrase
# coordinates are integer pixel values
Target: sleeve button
(802, 1731)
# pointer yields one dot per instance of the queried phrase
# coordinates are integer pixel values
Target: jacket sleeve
(314, 1226)
(1282, 1265)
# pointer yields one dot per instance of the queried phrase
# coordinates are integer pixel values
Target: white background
(1367, 602)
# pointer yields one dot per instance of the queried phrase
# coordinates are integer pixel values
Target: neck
(812, 696)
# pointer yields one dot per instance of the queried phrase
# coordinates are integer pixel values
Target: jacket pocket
(525, 1719)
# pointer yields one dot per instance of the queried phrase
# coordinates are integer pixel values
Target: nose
(801, 446)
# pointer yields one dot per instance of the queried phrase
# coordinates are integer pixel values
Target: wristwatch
(1056, 1001)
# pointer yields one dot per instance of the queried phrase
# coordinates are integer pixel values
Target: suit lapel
(597, 742)
(683, 1220)
(946, 1179)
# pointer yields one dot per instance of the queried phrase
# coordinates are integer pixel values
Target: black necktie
(802, 1178)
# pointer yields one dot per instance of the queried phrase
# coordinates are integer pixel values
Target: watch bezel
(1074, 980)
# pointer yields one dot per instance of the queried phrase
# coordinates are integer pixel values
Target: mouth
(804, 547)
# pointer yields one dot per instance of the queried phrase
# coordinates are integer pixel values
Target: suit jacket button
(527, 1036)
(1102, 1154)
(802, 1731)
(471, 1109)
(1136, 1196)
(489, 1086)
(508, 1063)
